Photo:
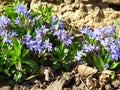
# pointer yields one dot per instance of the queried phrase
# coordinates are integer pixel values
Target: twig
(84, 83)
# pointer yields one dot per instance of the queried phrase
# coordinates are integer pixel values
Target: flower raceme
(105, 37)
(4, 22)
(21, 9)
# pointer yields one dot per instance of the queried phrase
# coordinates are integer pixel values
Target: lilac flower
(4, 22)
(61, 33)
(64, 36)
(106, 42)
(68, 39)
(18, 21)
(114, 51)
(3, 32)
(88, 47)
(35, 19)
(115, 56)
(31, 44)
(13, 33)
(101, 33)
(21, 9)
(106, 66)
(27, 39)
(38, 36)
(42, 31)
(47, 45)
(98, 34)
(88, 31)
(79, 55)
(7, 36)
(109, 31)
(60, 23)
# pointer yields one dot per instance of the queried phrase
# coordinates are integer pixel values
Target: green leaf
(87, 38)
(93, 41)
(112, 76)
(114, 65)
(17, 76)
(17, 46)
(32, 64)
(98, 62)
(56, 24)
(117, 23)
(24, 52)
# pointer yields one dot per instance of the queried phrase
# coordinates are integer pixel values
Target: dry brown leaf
(84, 70)
(103, 77)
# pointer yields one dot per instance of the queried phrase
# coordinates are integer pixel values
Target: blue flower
(98, 34)
(61, 34)
(27, 39)
(88, 47)
(88, 31)
(64, 36)
(106, 66)
(13, 33)
(4, 22)
(106, 42)
(18, 21)
(114, 51)
(79, 55)
(68, 39)
(35, 19)
(7, 36)
(60, 23)
(44, 30)
(101, 33)
(21, 9)
(47, 45)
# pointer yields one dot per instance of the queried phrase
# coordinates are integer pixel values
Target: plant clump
(31, 39)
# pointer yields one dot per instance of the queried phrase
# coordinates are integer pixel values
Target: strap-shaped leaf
(32, 64)
(98, 62)
(17, 46)
(114, 65)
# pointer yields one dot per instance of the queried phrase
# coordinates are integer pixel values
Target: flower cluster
(7, 36)
(21, 9)
(55, 20)
(4, 22)
(37, 43)
(105, 37)
(64, 36)
(5, 31)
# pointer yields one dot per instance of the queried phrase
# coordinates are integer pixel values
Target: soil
(94, 14)
(75, 14)
(86, 78)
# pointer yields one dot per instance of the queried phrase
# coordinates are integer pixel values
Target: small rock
(117, 2)
(107, 87)
(16, 87)
(6, 88)
(116, 83)
(68, 1)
